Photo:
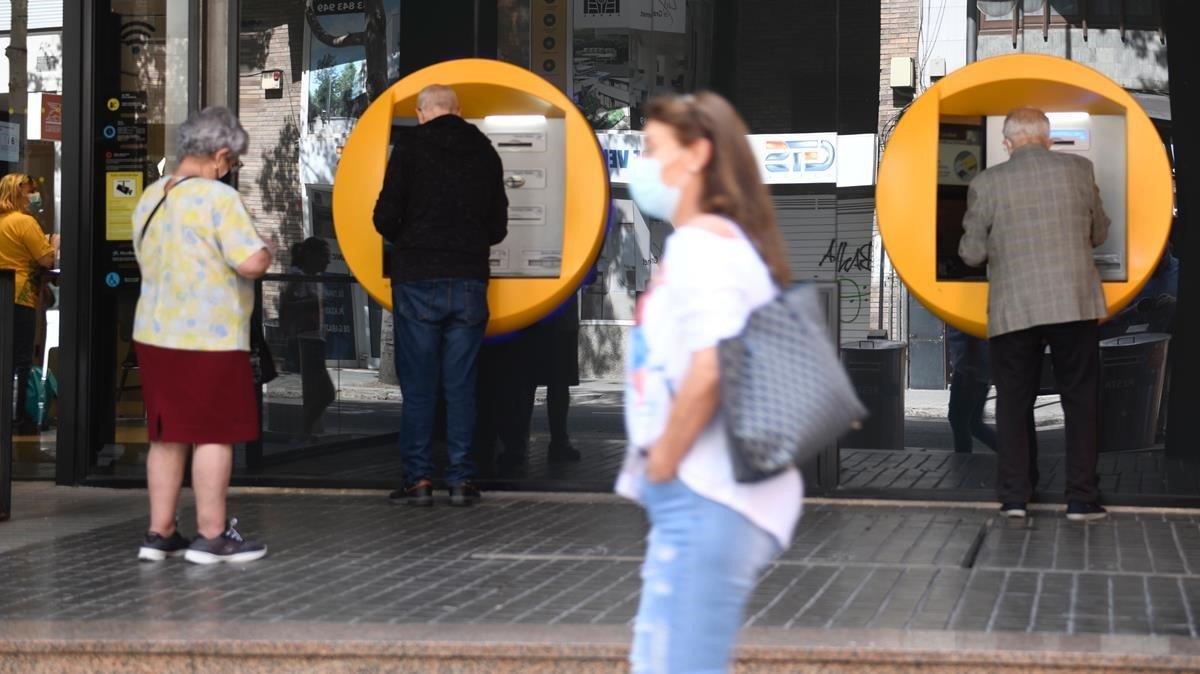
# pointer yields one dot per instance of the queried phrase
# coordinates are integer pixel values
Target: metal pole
(6, 393)
(972, 30)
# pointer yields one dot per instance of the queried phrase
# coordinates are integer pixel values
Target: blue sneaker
(1078, 511)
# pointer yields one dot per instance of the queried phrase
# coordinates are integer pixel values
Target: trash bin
(1132, 369)
(877, 368)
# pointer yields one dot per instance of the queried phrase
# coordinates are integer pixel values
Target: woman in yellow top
(199, 255)
(25, 249)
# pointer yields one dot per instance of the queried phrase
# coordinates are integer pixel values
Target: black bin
(878, 370)
(1132, 369)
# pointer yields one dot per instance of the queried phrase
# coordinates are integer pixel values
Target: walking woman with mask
(710, 536)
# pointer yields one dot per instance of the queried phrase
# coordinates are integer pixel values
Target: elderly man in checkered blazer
(1035, 220)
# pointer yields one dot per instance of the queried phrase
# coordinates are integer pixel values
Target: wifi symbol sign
(136, 35)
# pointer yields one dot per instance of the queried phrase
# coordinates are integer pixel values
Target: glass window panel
(31, 118)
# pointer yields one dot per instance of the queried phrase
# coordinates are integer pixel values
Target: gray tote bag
(784, 393)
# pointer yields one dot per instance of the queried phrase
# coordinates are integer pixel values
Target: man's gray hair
(210, 130)
(437, 97)
(1026, 124)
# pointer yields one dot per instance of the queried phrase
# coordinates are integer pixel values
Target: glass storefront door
(145, 87)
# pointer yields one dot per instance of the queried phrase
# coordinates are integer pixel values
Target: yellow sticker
(123, 189)
(114, 104)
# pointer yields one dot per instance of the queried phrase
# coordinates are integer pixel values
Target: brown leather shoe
(419, 493)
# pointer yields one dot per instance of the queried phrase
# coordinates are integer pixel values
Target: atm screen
(961, 156)
(1100, 139)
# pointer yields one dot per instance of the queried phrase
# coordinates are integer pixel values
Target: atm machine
(532, 149)
(966, 146)
(1101, 139)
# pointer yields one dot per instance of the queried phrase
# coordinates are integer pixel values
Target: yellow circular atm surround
(907, 188)
(484, 88)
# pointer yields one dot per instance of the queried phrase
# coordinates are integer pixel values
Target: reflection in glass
(327, 415)
(513, 39)
(352, 59)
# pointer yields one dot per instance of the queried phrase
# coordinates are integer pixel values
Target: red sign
(52, 117)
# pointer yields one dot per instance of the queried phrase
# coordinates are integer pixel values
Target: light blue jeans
(702, 561)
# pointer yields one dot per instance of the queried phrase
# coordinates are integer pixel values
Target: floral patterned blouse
(192, 296)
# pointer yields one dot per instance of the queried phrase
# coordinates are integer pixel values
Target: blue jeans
(702, 561)
(439, 327)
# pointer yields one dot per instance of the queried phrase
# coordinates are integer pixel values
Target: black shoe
(228, 547)
(1013, 509)
(155, 548)
(464, 494)
(419, 493)
(1077, 511)
(563, 453)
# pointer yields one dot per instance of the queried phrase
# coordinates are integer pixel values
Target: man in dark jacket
(442, 207)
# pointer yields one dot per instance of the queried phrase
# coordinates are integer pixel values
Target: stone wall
(1137, 62)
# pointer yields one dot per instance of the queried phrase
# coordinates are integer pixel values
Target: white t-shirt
(703, 292)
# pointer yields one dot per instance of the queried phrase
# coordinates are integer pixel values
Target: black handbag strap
(146, 227)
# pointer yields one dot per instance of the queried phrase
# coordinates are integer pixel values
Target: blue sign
(110, 132)
(113, 279)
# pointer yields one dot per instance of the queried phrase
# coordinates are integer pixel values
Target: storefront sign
(664, 16)
(122, 191)
(783, 159)
(620, 148)
(330, 7)
(10, 142)
(51, 117)
(796, 158)
(338, 322)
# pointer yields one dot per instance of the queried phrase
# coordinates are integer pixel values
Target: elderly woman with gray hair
(199, 255)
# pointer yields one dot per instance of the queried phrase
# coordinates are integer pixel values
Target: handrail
(346, 279)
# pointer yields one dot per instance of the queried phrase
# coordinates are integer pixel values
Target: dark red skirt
(198, 397)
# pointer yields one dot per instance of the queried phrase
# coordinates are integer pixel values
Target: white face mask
(652, 196)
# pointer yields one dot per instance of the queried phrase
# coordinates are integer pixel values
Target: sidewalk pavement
(553, 579)
(364, 385)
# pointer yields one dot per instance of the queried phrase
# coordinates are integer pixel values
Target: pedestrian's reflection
(503, 405)
(554, 363)
(511, 368)
(301, 313)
